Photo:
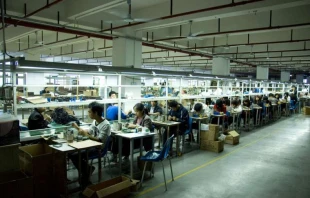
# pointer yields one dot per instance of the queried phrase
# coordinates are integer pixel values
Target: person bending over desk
(37, 121)
(177, 113)
(98, 131)
(143, 120)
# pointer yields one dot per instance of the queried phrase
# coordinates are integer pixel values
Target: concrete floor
(272, 161)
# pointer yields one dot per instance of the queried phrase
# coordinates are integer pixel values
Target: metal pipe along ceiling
(233, 4)
(59, 28)
(48, 5)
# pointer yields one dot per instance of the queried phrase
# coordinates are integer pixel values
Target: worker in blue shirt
(112, 113)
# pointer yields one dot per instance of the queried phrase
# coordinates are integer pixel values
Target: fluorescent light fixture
(134, 73)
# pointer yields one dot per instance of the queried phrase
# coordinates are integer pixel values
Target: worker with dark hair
(154, 109)
(44, 91)
(36, 119)
(177, 113)
(98, 131)
(143, 120)
(112, 95)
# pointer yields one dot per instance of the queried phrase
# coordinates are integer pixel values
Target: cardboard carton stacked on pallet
(209, 139)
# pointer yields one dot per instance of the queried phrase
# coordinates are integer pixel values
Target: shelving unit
(134, 88)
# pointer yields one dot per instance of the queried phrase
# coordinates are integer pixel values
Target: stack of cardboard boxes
(209, 139)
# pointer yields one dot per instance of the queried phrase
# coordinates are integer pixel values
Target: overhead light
(154, 74)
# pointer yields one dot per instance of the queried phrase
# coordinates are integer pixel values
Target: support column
(285, 76)
(221, 66)
(127, 52)
(262, 73)
(299, 78)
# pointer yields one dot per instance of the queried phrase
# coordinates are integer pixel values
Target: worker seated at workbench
(177, 113)
(141, 120)
(112, 113)
(37, 120)
(98, 131)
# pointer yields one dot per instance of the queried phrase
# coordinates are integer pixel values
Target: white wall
(35, 79)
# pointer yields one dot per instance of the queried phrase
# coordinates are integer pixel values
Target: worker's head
(257, 98)
(41, 109)
(198, 107)
(219, 103)
(271, 95)
(154, 103)
(113, 94)
(174, 105)
(95, 110)
(45, 89)
(234, 103)
(286, 94)
(139, 110)
(246, 102)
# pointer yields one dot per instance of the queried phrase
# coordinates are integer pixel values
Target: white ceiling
(273, 33)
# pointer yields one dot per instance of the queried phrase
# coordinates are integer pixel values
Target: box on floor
(15, 184)
(214, 146)
(47, 167)
(116, 187)
(306, 110)
(232, 138)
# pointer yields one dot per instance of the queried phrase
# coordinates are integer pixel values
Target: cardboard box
(9, 158)
(15, 184)
(93, 93)
(37, 100)
(46, 95)
(214, 146)
(232, 138)
(214, 128)
(306, 110)
(213, 135)
(47, 167)
(135, 185)
(9, 130)
(204, 135)
(19, 94)
(36, 159)
(116, 187)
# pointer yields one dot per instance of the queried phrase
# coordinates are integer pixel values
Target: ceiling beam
(243, 31)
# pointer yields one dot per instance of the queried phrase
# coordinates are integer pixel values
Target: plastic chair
(103, 154)
(159, 156)
(187, 132)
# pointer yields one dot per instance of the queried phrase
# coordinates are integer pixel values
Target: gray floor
(272, 161)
